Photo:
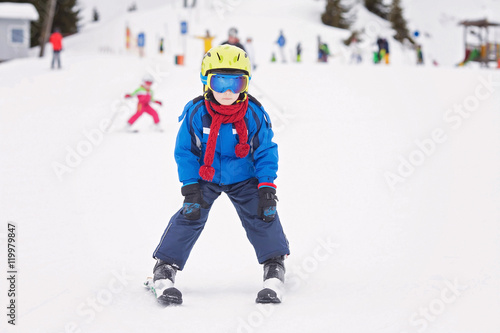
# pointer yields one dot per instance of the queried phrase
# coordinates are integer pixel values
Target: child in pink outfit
(145, 96)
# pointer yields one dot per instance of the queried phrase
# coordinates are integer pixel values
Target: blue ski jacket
(261, 162)
(281, 41)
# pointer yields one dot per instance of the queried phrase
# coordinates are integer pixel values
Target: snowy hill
(389, 186)
(436, 22)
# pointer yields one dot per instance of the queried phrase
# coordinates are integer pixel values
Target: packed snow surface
(389, 183)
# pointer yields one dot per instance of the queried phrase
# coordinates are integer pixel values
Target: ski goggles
(220, 83)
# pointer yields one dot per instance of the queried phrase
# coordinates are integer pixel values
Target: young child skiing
(145, 96)
(224, 145)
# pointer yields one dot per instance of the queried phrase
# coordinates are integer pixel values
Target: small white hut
(15, 34)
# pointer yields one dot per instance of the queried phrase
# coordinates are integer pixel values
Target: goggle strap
(204, 79)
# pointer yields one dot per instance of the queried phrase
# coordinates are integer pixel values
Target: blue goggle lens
(223, 82)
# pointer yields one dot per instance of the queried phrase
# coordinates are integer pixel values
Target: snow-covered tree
(334, 14)
(398, 22)
(377, 7)
(66, 16)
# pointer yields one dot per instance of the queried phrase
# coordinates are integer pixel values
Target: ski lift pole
(184, 30)
(127, 37)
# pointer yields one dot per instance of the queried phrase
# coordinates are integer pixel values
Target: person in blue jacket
(225, 145)
(281, 43)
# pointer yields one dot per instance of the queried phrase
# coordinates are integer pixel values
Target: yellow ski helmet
(224, 57)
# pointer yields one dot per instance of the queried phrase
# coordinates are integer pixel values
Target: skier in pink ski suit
(145, 96)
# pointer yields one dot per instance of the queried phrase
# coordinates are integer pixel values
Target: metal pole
(465, 38)
(487, 43)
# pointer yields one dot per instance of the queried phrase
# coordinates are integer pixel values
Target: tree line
(336, 12)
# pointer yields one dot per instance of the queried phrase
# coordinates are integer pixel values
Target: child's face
(226, 98)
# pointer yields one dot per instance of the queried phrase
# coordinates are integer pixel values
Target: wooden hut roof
(479, 23)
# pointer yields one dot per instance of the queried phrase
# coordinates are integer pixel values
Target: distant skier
(224, 145)
(145, 96)
(281, 43)
(355, 51)
(232, 39)
(386, 48)
(383, 50)
(323, 51)
(207, 41)
(299, 52)
(161, 47)
(56, 41)
(251, 52)
(420, 55)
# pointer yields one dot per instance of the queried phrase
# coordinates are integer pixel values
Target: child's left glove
(267, 202)
(158, 102)
(193, 201)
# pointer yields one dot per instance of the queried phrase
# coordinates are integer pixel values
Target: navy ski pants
(268, 239)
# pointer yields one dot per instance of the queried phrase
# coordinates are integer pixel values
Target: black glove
(267, 203)
(193, 201)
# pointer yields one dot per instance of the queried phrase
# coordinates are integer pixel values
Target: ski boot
(274, 279)
(163, 280)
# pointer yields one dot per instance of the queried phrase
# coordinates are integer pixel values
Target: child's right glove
(267, 202)
(193, 201)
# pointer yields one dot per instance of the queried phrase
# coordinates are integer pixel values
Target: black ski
(266, 296)
(170, 296)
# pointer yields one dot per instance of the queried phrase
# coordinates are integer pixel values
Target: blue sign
(184, 27)
(141, 39)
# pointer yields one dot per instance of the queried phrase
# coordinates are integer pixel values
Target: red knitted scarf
(225, 114)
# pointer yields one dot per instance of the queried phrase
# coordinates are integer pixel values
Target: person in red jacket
(56, 41)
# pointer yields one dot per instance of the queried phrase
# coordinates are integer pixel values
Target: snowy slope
(301, 24)
(369, 253)
(436, 21)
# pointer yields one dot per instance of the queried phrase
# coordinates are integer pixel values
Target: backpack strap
(188, 106)
(266, 115)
